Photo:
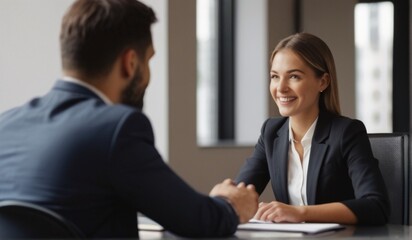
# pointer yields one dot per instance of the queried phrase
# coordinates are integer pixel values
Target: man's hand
(243, 199)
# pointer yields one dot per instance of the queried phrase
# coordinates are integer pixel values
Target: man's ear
(129, 63)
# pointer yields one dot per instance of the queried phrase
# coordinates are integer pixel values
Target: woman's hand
(280, 212)
(328, 212)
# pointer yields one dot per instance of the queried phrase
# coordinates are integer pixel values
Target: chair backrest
(392, 152)
(26, 220)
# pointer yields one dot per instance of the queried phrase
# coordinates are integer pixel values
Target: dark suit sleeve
(143, 181)
(255, 170)
(371, 205)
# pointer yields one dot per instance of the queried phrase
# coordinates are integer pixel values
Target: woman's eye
(274, 76)
(294, 76)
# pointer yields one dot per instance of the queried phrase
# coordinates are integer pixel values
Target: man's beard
(131, 95)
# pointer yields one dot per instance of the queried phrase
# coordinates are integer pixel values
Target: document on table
(147, 224)
(307, 228)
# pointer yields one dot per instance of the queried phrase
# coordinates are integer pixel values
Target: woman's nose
(282, 85)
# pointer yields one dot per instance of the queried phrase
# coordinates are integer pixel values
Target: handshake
(243, 199)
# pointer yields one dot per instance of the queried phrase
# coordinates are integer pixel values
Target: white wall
(156, 99)
(29, 50)
(251, 69)
(30, 56)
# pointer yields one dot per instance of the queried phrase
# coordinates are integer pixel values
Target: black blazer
(97, 165)
(341, 167)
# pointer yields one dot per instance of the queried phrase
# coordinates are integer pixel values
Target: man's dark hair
(95, 32)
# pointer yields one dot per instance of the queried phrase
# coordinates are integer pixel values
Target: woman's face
(294, 85)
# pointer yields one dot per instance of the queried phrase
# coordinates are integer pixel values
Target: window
(232, 69)
(207, 71)
(215, 67)
(374, 66)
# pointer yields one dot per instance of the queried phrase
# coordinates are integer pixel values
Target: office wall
(251, 69)
(156, 99)
(29, 50)
(333, 21)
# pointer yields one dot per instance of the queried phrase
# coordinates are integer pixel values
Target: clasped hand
(243, 199)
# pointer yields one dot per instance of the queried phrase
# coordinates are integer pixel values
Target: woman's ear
(130, 62)
(324, 82)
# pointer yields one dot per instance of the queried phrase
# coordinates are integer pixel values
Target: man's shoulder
(118, 113)
(117, 110)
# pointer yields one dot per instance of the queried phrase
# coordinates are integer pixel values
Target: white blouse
(297, 170)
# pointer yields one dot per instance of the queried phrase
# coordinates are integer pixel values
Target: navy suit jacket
(97, 165)
(341, 166)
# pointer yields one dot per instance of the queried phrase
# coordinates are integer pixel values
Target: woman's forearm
(329, 212)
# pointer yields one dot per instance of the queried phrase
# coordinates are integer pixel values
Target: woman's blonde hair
(318, 56)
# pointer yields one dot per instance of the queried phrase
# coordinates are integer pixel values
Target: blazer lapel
(280, 164)
(317, 155)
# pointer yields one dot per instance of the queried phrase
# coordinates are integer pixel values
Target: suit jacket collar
(323, 126)
(281, 152)
(66, 86)
(317, 155)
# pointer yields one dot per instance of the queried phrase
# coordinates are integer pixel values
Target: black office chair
(391, 150)
(26, 220)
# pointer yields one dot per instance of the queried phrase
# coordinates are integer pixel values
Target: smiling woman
(295, 86)
(320, 163)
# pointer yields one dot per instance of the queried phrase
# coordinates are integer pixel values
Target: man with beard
(85, 149)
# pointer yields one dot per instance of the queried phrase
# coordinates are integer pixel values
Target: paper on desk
(307, 228)
(147, 224)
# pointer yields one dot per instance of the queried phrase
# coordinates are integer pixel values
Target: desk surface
(352, 232)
